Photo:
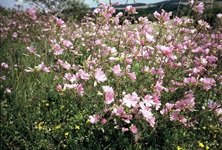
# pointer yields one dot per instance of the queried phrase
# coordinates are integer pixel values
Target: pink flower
(158, 87)
(145, 111)
(204, 24)
(83, 75)
(160, 71)
(127, 117)
(98, 42)
(66, 65)
(60, 23)
(97, 10)
(125, 129)
(113, 59)
(72, 78)
(4, 65)
(109, 94)
(164, 16)
(182, 119)
(117, 70)
(94, 119)
(156, 99)
(199, 8)
(174, 115)
(152, 70)
(156, 14)
(164, 49)
(31, 49)
(211, 59)
(43, 67)
(148, 101)
(58, 50)
(208, 82)
(3, 77)
(219, 15)
(150, 38)
(152, 121)
(133, 129)
(190, 80)
(131, 10)
(80, 89)
(14, 35)
(111, 10)
(213, 105)
(131, 100)
(32, 13)
(169, 106)
(132, 76)
(191, 2)
(69, 86)
(7, 90)
(67, 43)
(59, 88)
(100, 75)
(104, 121)
(118, 111)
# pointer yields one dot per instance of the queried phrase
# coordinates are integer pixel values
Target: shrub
(102, 85)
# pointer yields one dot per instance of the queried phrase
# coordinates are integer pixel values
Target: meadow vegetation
(100, 84)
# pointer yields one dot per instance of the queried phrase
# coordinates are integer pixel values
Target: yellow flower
(77, 127)
(58, 127)
(61, 107)
(87, 121)
(40, 125)
(47, 104)
(179, 148)
(67, 133)
(207, 147)
(201, 145)
(44, 101)
(204, 128)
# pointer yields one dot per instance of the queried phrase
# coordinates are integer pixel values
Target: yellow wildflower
(40, 125)
(44, 101)
(207, 147)
(47, 104)
(204, 128)
(67, 133)
(179, 148)
(61, 107)
(77, 127)
(87, 121)
(201, 145)
(58, 127)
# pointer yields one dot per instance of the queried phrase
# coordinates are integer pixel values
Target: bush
(102, 85)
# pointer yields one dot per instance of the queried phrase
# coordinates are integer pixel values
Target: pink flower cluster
(152, 71)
